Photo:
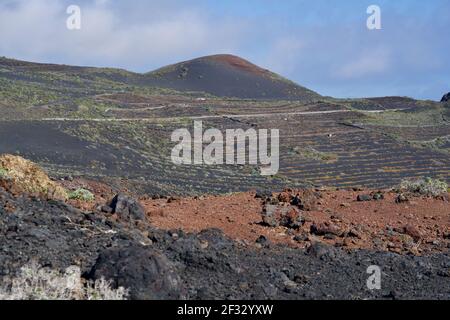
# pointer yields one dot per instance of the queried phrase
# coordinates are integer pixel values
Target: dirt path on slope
(256, 115)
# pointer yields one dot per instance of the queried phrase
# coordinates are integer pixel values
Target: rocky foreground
(124, 240)
(157, 264)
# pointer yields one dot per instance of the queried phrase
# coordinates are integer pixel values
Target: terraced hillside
(113, 125)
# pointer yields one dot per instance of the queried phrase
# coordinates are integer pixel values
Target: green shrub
(81, 194)
(3, 173)
(424, 186)
(310, 153)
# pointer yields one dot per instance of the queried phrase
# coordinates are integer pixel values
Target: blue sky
(322, 44)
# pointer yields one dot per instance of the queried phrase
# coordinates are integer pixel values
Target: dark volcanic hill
(446, 97)
(228, 76)
(219, 75)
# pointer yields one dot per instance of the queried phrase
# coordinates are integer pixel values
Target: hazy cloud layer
(316, 43)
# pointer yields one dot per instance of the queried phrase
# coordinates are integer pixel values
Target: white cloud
(285, 55)
(368, 63)
(36, 30)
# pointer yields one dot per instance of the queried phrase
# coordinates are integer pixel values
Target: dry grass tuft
(37, 283)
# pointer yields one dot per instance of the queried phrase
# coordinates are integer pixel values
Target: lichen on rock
(19, 175)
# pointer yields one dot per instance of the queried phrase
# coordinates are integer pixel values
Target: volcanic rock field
(337, 205)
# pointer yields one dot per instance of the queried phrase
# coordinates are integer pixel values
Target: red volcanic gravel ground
(418, 226)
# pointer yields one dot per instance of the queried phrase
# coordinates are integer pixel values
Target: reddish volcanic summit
(227, 75)
(238, 63)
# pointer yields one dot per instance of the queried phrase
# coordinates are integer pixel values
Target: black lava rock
(378, 196)
(147, 273)
(127, 208)
(401, 198)
(364, 197)
(262, 240)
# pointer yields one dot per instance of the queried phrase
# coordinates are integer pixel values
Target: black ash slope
(228, 76)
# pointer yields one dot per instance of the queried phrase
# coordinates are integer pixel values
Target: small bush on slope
(426, 186)
(81, 194)
(37, 283)
(3, 173)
